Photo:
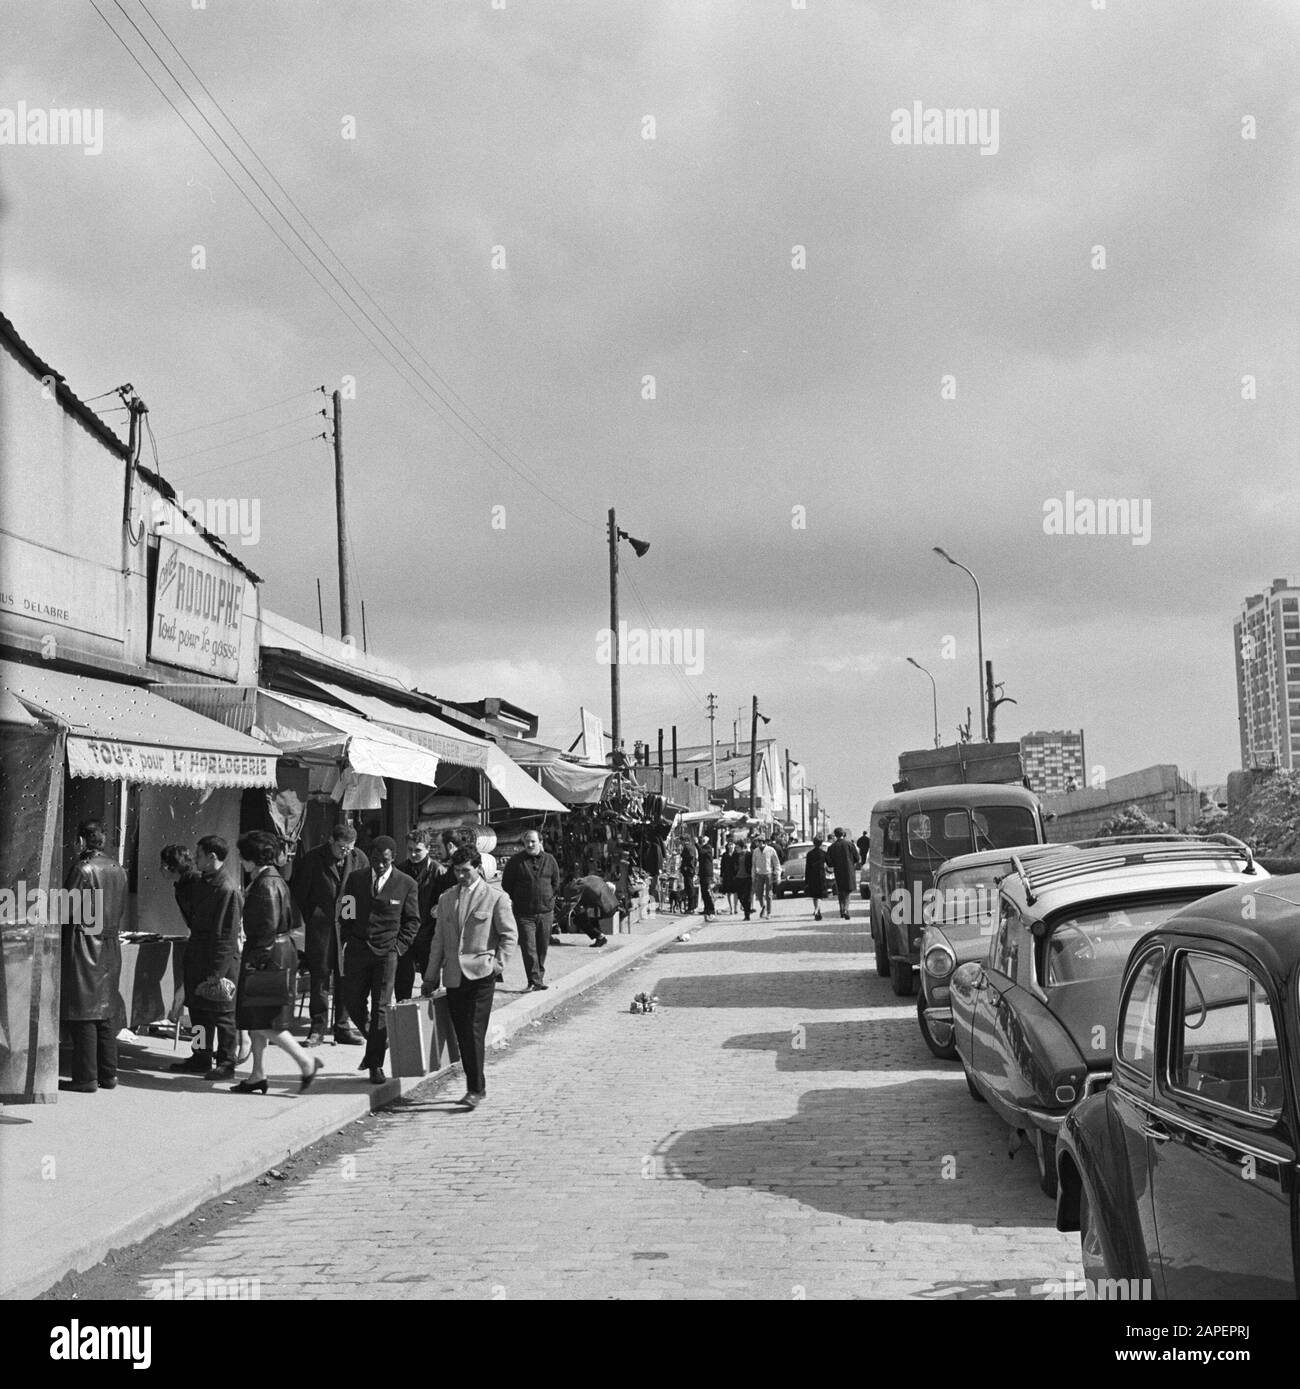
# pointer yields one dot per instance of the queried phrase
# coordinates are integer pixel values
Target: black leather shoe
(225, 1071)
(377, 1076)
(348, 1037)
(196, 1065)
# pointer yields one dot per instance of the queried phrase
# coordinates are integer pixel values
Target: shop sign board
(199, 605)
(117, 760)
(59, 590)
(593, 736)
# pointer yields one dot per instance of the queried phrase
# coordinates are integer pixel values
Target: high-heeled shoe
(249, 1087)
(311, 1075)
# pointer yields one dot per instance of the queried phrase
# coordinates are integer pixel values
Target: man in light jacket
(472, 938)
(766, 870)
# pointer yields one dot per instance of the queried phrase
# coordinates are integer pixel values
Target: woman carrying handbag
(269, 969)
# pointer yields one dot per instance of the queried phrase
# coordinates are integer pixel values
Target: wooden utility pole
(789, 808)
(615, 730)
(713, 743)
(674, 749)
(340, 507)
(753, 756)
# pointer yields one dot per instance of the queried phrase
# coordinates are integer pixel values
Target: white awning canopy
(307, 728)
(124, 733)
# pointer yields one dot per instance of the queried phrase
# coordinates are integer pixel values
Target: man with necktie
(472, 939)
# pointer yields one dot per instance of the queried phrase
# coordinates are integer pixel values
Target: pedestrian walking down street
(743, 881)
(706, 881)
(531, 879)
(319, 880)
(212, 905)
(765, 871)
(268, 972)
(727, 867)
(652, 860)
(92, 960)
(687, 865)
(379, 923)
(471, 943)
(864, 846)
(432, 878)
(844, 861)
(814, 875)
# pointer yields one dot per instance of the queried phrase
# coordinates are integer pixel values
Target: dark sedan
(1183, 1176)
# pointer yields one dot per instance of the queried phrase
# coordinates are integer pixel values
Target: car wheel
(970, 1085)
(1090, 1250)
(882, 959)
(1045, 1153)
(900, 976)
(948, 1053)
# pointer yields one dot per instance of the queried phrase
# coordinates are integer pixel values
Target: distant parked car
(1185, 1170)
(965, 910)
(1034, 1024)
(792, 870)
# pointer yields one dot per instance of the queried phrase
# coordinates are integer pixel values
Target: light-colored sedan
(792, 870)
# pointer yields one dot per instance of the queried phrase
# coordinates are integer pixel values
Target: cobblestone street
(776, 1129)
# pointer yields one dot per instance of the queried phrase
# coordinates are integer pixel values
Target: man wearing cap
(471, 943)
(378, 922)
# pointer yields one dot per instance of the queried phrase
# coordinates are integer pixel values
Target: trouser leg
(355, 990)
(706, 894)
(404, 977)
(743, 889)
(383, 969)
(531, 934)
(84, 1048)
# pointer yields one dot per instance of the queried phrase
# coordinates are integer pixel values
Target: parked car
(1033, 1024)
(965, 911)
(792, 870)
(1185, 1170)
(912, 835)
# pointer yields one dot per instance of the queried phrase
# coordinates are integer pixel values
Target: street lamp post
(934, 695)
(979, 636)
(639, 547)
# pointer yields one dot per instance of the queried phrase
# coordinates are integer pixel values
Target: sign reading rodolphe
(198, 611)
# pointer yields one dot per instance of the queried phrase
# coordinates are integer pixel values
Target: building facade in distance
(1267, 640)
(1054, 761)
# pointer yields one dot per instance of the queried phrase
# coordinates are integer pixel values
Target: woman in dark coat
(268, 920)
(814, 875)
(727, 874)
(92, 960)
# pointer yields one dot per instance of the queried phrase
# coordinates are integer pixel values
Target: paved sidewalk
(94, 1173)
(777, 1129)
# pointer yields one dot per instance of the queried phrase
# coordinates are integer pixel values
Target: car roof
(1273, 935)
(964, 793)
(1125, 879)
(986, 856)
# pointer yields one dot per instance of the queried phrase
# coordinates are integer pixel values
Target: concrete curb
(248, 1156)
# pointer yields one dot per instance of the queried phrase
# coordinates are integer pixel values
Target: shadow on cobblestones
(846, 1046)
(793, 989)
(890, 1153)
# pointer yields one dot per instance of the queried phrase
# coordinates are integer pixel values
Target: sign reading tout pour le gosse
(198, 611)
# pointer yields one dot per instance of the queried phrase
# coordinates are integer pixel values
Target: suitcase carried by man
(421, 1040)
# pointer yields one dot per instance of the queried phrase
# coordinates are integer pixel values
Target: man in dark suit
(688, 863)
(319, 880)
(842, 856)
(423, 863)
(212, 952)
(378, 922)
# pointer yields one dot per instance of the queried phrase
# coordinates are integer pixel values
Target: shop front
(155, 774)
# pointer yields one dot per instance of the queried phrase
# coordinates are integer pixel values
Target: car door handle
(1156, 1132)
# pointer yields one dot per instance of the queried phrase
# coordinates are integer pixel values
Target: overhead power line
(403, 365)
(255, 434)
(228, 419)
(238, 462)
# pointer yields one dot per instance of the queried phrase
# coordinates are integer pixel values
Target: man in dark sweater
(378, 922)
(319, 880)
(531, 879)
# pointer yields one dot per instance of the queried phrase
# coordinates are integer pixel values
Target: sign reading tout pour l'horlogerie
(198, 611)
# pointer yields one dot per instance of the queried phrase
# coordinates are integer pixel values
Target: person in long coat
(91, 962)
(268, 948)
(844, 860)
(727, 872)
(814, 875)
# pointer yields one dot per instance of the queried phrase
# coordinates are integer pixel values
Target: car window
(1137, 1015)
(1096, 943)
(893, 844)
(1006, 944)
(1004, 826)
(939, 834)
(969, 896)
(1225, 1037)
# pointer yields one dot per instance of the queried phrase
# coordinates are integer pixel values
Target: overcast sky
(519, 133)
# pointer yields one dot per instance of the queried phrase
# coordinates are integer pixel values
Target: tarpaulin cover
(516, 787)
(124, 733)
